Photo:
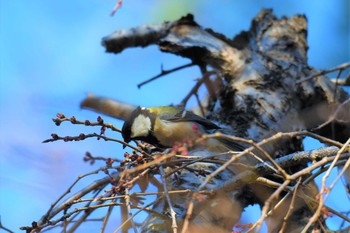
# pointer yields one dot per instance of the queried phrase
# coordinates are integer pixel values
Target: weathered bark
(263, 92)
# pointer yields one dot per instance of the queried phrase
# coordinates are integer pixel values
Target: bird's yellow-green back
(165, 110)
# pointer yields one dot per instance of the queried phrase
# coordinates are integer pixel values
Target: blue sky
(51, 58)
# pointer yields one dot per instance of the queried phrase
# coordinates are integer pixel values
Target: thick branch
(107, 106)
(182, 37)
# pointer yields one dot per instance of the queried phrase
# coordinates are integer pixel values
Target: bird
(163, 126)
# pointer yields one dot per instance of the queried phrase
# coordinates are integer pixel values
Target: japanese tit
(163, 126)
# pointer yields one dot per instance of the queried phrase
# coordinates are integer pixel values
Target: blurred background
(51, 58)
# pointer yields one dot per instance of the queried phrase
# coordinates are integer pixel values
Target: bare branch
(172, 212)
(128, 204)
(323, 72)
(324, 190)
(195, 88)
(341, 114)
(165, 72)
(291, 207)
(4, 228)
(116, 7)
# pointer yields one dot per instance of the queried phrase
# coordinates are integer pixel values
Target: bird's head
(139, 126)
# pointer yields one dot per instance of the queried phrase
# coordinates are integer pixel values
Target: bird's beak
(126, 141)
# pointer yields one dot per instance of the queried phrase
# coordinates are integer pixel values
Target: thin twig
(196, 87)
(106, 218)
(199, 104)
(165, 72)
(128, 204)
(337, 78)
(346, 166)
(4, 228)
(136, 178)
(266, 207)
(333, 117)
(208, 82)
(49, 214)
(256, 146)
(82, 218)
(78, 210)
(291, 207)
(323, 72)
(303, 196)
(141, 194)
(156, 161)
(82, 136)
(124, 217)
(166, 193)
(324, 190)
(205, 159)
(139, 211)
(322, 170)
(188, 215)
(116, 7)
(100, 122)
(49, 228)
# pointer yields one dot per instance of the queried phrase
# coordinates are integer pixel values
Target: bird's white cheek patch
(141, 126)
